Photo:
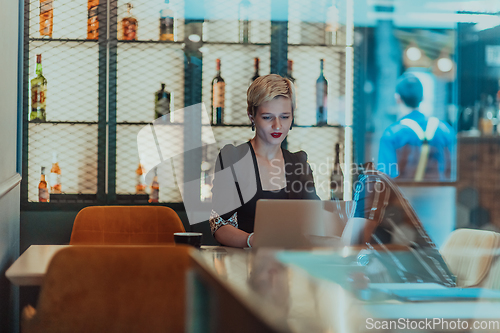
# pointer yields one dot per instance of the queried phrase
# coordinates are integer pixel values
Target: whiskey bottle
(140, 187)
(218, 92)
(129, 25)
(167, 23)
(43, 191)
(321, 97)
(46, 17)
(155, 189)
(38, 93)
(55, 176)
(92, 19)
(256, 68)
(337, 178)
(162, 104)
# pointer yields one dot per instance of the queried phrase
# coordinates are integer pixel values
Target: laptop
(301, 224)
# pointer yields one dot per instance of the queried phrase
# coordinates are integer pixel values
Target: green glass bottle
(38, 93)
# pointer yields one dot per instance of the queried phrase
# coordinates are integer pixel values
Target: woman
(260, 168)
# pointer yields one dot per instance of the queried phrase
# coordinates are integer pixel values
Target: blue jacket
(399, 150)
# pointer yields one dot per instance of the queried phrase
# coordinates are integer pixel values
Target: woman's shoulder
(297, 157)
(231, 154)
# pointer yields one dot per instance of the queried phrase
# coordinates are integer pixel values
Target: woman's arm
(231, 236)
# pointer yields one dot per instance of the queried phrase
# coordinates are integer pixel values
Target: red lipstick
(276, 135)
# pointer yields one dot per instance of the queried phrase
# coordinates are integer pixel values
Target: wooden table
(29, 269)
(237, 290)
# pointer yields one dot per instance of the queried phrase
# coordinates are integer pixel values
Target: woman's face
(273, 120)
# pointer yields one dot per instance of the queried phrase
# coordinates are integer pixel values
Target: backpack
(425, 137)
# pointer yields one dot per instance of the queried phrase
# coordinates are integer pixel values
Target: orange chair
(112, 289)
(114, 225)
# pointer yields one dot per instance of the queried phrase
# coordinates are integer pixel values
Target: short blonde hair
(266, 88)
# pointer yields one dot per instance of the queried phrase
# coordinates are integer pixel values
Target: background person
(401, 147)
(278, 173)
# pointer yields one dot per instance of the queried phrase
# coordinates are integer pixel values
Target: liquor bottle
(129, 25)
(332, 23)
(140, 187)
(167, 23)
(162, 104)
(92, 19)
(289, 70)
(218, 92)
(337, 178)
(43, 191)
(256, 67)
(244, 21)
(46, 17)
(155, 189)
(321, 97)
(488, 119)
(38, 93)
(55, 176)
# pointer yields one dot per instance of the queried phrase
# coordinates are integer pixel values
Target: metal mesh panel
(72, 73)
(319, 144)
(70, 66)
(128, 160)
(76, 145)
(141, 68)
(147, 14)
(94, 83)
(306, 70)
(237, 70)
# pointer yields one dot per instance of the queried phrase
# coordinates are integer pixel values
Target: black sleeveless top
(300, 183)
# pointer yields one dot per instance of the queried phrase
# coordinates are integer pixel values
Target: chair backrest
(469, 253)
(113, 289)
(112, 225)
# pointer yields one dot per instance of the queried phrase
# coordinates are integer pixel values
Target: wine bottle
(167, 21)
(55, 175)
(129, 25)
(46, 17)
(218, 92)
(337, 178)
(38, 93)
(256, 68)
(92, 19)
(244, 21)
(321, 97)
(43, 191)
(140, 187)
(332, 23)
(155, 189)
(289, 70)
(162, 104)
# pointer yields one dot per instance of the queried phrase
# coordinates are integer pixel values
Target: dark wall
(474, 75)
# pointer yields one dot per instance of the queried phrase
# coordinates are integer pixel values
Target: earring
(253, 126)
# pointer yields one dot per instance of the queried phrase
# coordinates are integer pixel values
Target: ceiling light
(413, 53)
(445, 64)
